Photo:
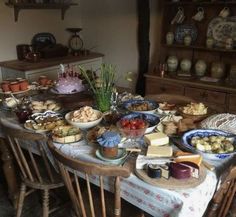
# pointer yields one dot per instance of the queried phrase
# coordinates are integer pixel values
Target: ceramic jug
(170, 38)
(172, 63)
(217, 70)
(210, 42)
(185, 65)
(187, 40)
(200, 68)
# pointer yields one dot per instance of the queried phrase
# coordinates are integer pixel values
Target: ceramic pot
(187, 40)
(170, 38)
(185, 65)
(15, 86)
(229, 42)
(217, 70)
(5, 85)
(24, 84)
(210, 42)
(200, 68)
(172, 63)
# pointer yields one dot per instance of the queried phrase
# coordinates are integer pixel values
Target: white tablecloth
(156, 201)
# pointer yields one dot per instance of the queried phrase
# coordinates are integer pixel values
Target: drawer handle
(204, 95)
(163, 89)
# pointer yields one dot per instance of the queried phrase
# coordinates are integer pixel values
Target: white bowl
(84, 125)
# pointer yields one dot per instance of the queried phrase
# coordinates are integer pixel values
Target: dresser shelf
(203, 3)
(23, 6)
(201, 48)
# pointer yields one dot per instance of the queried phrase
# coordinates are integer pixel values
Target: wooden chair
(170, 98)
(223, 197)
(84, 204)
(34, 167)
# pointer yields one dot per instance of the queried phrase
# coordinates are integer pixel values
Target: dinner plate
(35, 131)
(121, 155)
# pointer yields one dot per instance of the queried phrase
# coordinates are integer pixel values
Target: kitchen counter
(44, 63)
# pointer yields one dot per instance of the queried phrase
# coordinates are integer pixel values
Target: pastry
(66, 134)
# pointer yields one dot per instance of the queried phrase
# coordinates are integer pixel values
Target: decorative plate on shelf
(220, 29)
(185, 29)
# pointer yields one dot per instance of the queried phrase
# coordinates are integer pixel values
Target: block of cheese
(160, 151)
(156, 139)
(181, 156)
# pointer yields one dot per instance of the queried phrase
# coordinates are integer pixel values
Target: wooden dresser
(218, 96)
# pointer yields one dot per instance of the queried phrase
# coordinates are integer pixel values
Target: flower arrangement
(102, 87)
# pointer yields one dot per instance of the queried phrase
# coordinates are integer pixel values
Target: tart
(66, 134)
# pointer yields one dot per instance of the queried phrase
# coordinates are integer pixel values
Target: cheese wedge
(156, 139)
(159, 151)
(181, 156)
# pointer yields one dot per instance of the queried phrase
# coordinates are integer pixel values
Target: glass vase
(103, 101)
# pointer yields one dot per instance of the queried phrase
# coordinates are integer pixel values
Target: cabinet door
(232, 103)
(213, 97)
(93, 65)
(158, 86)
(50, 73)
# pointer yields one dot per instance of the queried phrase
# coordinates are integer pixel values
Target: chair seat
(46, 182)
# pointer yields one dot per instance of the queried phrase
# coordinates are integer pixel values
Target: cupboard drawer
(202, 95)
(154, 86)
(232, 102)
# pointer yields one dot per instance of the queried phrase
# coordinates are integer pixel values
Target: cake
(69, 82)
(109, 144)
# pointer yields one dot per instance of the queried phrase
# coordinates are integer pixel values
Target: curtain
(143, 9)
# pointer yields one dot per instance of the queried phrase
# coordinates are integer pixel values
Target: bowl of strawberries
(132, 129)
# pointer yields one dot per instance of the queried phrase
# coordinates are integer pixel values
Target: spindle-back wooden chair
(84, 204)
(223, 197)
(34, 166)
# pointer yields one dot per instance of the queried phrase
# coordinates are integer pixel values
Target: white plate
(121, 155)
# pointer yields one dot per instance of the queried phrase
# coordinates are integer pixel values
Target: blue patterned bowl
(151, 104)
(153, 120)
(186, 141)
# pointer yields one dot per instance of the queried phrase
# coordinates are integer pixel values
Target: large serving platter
(172, 183)
(10, 92)
(53, 90)
(221, 29)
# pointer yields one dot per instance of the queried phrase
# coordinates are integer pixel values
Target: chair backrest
(224, 195)
(170, 98)
(30, 155)
(69, 169)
